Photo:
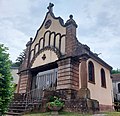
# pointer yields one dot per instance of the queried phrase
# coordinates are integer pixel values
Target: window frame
(103, 78)
(118, 87)
(91, 72)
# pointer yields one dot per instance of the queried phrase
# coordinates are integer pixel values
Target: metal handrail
(35, 95)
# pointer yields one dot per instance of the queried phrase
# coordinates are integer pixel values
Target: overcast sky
(98, 24)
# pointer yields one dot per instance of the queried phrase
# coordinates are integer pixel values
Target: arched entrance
(46, 79)
(43, 78)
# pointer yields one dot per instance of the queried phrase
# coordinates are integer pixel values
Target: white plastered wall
(115, 89)
(50, 57)
(103, 95)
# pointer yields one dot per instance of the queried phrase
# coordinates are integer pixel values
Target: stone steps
(19, 108)
(13, 114)
(21, 105)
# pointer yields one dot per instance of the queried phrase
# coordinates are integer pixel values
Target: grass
(72, 114)
(60, 114)
(113, 113)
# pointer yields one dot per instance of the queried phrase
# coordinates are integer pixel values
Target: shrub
(56, 102)
(6, 86)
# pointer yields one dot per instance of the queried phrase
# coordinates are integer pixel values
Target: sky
(98, 24)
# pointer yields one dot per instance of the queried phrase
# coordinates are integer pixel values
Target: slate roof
(116, 77)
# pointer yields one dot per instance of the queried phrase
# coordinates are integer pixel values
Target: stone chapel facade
(55, 58)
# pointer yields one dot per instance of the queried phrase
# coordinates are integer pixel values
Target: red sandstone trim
(106, 107)
(67, 80)
(68, 73)
(67, 84)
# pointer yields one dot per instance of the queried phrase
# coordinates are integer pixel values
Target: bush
(51, 98)
(56, 102)
(6, 86)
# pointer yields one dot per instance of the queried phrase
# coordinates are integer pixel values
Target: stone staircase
(20, 107)
(24, 103)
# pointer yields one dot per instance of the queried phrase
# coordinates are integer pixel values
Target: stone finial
(29, 42)
(71, 16)
(31, 39)
(50, 7)
(71, 21)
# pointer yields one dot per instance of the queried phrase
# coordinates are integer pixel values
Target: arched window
(119, 87)
(103, 79)
(91, 72)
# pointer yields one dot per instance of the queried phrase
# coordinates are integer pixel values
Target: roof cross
(50, 7)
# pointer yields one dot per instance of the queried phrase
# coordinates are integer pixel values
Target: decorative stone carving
(71, 21)
(50, 7)
(47, 24)
(44, 57)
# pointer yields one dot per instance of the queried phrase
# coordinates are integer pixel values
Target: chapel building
(56, 59)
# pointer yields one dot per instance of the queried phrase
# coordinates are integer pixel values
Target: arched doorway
(46, 79)
(43, 77)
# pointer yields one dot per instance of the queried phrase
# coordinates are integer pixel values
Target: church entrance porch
(43, 78)
(42, 81)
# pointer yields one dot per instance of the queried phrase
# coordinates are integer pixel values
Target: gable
(51, 34)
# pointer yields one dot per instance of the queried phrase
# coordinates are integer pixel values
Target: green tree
(6, 86)
(115, 71)
(19, 59)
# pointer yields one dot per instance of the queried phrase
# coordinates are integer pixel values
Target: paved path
(100, 115)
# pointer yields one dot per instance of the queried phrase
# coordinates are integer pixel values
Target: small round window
(47, 24)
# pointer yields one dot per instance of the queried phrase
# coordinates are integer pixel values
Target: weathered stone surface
(83, 93)
(81, 105)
